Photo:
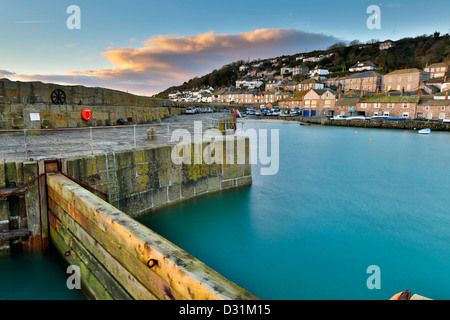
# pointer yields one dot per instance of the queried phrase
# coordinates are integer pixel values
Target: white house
(285, 70)
(249, 83)
(318, 71)
(387, 44)
(363, 66)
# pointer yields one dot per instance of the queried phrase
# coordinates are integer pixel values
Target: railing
(41, 143)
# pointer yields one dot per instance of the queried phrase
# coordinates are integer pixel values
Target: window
(308, 102)
(375, 113)
(405, 114)
(390, 105)
(386, 113)
(363, 105)
(442, 115)
(427, 108)
(442, 108)
(429, 115)
(398, 87)
(399, 79)
(376, 105)
(390, 79)
(409, 78)
(406, 106)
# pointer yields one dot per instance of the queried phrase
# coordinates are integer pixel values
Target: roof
(392, 99)
(434, 102)
(437, 65)
(366, 74)
(347, 101)
(404, 71)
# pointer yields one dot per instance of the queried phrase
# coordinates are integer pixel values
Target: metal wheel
(58, 96)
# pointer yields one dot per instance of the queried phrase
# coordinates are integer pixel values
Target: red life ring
(86, 114)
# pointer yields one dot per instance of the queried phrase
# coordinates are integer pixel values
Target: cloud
(167, 60)
(4, 73)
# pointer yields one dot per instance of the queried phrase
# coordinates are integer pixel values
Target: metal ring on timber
(152, 263)
(67, 253)
(86, 114)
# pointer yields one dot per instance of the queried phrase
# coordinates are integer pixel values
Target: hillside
(408, 53)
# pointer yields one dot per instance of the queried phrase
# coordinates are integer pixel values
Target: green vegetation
(407, 53)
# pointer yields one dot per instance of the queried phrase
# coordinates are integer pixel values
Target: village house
(318, 71)
(285, 70)
(363, 66)
(368, 81)
(387, 44)
(243, 68)
(288, 85)
(309, 84)
(319, 102)
(404, 80)
(272, 84)
(335, 82)
(300, 70)
(345, 106)
(249, 83)
(390, 106)
(437, 70)
(293, 101)
(434, 109)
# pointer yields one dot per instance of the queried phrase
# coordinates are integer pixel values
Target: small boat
(425, 131)
(355, 118)
(377, 117)
(446, 120)
(396, 118)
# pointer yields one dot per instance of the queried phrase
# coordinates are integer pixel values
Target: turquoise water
(339, 204)
(34, 277)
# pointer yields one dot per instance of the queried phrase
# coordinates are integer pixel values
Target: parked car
(190, 110)
(276, 112)
(257, 112)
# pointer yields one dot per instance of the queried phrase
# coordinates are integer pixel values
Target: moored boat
(425, 131)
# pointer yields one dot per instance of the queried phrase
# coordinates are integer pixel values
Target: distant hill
(407, 53)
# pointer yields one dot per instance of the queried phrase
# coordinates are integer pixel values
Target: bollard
(151, 135)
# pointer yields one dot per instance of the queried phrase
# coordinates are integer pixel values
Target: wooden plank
(90, 285)
(91, 262)
(4, 192)
(117, 270)
(42, 185)
(185, 274)
(14, 234)
(154, 284)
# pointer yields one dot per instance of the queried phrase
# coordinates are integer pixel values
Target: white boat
(446, 120)
(355, 118)
(425, 131)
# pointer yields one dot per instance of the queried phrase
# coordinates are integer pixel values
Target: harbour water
(35, 277)
(344, 199)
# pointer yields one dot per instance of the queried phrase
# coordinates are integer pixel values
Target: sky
(144, 47)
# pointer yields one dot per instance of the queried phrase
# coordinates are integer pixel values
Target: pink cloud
(167, 60)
